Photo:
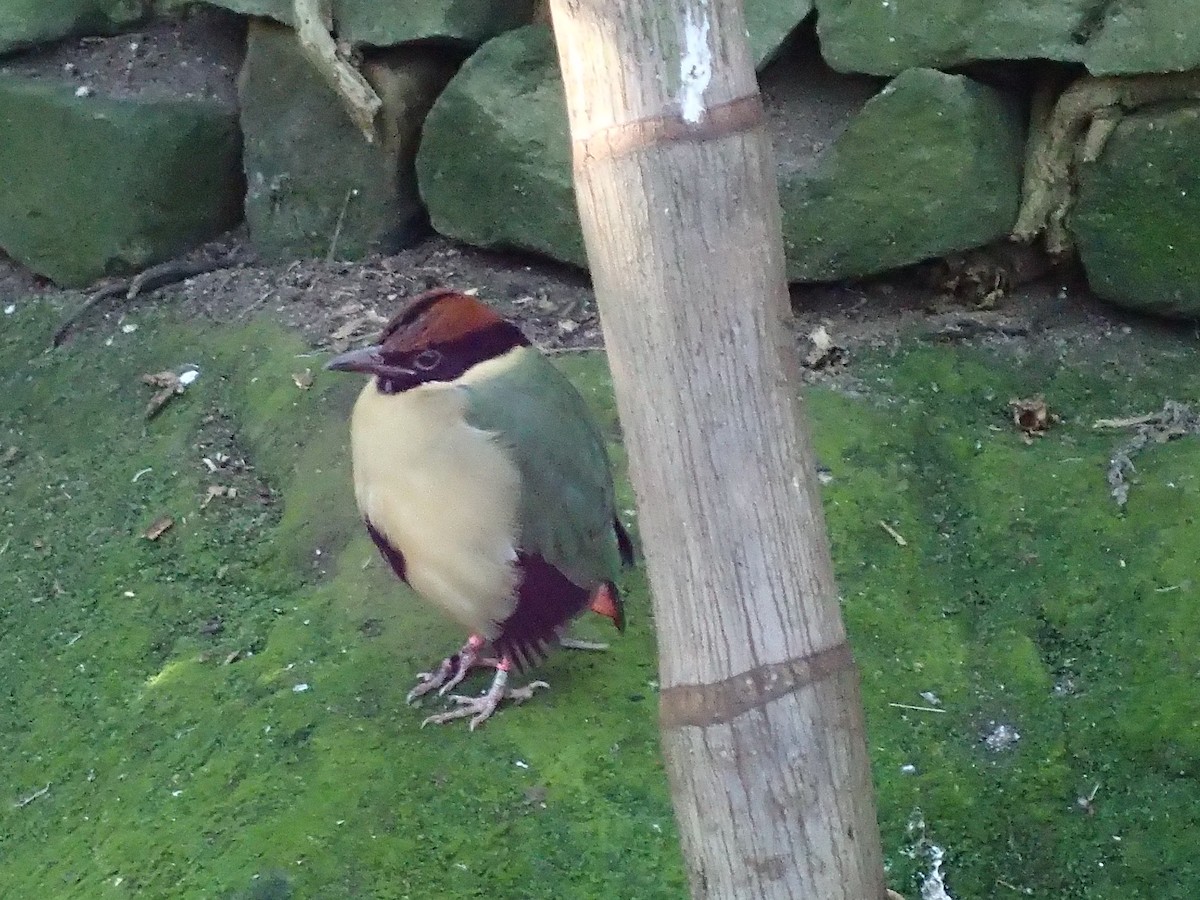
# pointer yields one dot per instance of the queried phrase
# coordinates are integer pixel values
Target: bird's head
(438, 336)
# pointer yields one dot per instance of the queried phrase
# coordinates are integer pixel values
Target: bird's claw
(480, 708)
(450, 668)
(451, 671)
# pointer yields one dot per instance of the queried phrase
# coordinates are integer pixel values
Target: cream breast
(444, 494)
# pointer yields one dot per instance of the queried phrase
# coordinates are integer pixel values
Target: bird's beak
(364, 359)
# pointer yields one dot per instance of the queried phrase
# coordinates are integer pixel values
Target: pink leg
(481, 708)
(452, 670)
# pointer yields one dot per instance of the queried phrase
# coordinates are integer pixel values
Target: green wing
(567, 506)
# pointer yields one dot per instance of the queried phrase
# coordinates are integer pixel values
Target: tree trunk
(760, 707)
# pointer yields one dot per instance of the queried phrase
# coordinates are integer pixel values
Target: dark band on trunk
(742, 114)
(723, 701)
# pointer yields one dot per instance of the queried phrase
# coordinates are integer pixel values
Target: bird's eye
(427, 359)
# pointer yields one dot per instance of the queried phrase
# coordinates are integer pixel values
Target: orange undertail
(606, 600)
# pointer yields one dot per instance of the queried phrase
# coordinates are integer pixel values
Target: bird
(484, 481)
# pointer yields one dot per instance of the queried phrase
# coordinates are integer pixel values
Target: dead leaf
(1032, 415)
(1126, 422)
(347, 309)
(217, 490)
(824, 353)
(232, 658)
(168, 384)
(348, 329)
(535, 795)
(158, 528)
(893, 533)
(303, 380)
(161, 379)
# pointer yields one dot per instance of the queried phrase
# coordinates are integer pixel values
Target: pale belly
(442, 493)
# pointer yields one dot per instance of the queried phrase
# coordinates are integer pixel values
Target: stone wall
(132, 130)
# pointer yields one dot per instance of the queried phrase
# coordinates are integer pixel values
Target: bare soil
(194, 57)
(339, 304)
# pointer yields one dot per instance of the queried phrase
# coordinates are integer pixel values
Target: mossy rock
(1136, 218)
(884, 37)
(389, 23)
(314, 185)
(1148, 36)
(769, 23)
(468, 22)
(494, 167)
(930, 166)
(98, 186)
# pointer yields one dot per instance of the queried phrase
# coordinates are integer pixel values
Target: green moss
(1137, 202)
(1022, 597)
(180, 776)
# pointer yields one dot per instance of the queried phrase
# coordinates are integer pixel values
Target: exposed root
(151, 279)
(1174, 420)
(1074, 132)
(318, 45)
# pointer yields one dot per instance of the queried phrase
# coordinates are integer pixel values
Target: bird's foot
(480, 708)
(452, 670)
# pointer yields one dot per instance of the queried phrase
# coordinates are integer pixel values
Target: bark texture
(761, 712)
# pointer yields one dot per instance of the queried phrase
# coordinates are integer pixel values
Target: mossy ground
(1022, 597)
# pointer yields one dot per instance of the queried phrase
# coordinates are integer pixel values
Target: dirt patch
(195, 57)
(336, 304)
(340, 304)
(17, 282)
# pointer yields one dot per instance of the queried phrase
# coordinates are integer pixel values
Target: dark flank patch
(624, 543)
(546, 600)
(394, 557)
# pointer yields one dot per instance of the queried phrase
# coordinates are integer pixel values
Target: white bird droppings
(695, 67)
(933, 886)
